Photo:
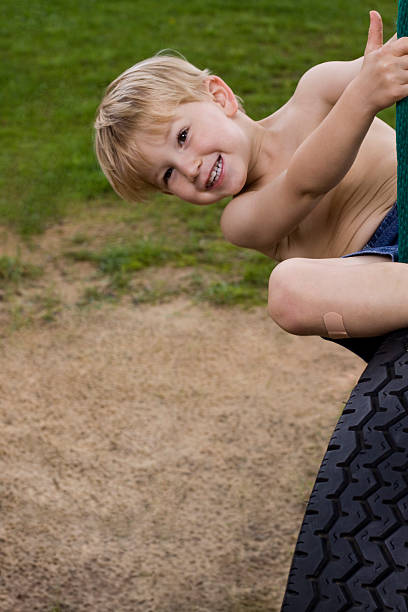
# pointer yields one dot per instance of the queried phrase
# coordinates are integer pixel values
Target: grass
(57, 59)
(61, 608)
(59, 56)
(13, 271)
(228, 275)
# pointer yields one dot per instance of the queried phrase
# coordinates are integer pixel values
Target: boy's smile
(203, 156)
(217, 174)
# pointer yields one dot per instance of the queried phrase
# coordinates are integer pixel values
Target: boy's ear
(222, 94)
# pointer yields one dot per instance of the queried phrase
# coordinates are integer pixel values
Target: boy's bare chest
(347, 216)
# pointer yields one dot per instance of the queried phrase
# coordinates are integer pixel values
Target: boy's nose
(193, 169)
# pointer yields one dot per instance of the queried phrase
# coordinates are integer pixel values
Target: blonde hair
(142, 99)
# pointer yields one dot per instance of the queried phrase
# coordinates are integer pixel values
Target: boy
(314, 184)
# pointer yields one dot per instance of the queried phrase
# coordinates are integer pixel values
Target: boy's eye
(167, 175)
(182, 137)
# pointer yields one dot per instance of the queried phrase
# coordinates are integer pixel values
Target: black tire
(352, 551)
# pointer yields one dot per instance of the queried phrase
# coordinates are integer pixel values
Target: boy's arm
(259, 219)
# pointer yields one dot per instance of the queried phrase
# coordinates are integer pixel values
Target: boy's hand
(384, 74)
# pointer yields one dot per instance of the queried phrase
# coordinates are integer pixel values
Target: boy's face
(204, 155)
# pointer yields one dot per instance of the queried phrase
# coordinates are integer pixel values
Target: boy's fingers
(401, 46)
(375, 32)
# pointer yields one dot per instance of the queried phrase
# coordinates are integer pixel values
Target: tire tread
(352, 550)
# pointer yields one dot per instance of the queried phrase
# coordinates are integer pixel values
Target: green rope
(402, 149)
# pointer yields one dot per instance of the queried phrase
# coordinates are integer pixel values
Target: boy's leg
(369, 293)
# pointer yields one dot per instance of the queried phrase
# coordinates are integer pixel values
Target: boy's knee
(285, 304)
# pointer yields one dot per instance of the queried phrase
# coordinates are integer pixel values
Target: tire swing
(352, 550)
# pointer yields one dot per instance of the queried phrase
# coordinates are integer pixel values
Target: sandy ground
(159, 458)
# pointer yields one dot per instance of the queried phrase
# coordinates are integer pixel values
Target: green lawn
(57, 58)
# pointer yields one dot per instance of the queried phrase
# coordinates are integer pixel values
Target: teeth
(215, 173)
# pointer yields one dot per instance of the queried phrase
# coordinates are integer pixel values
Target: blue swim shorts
(384, 241)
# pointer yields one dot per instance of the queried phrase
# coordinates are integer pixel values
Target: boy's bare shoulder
(238, 219)
(326, 82)
(260, 217)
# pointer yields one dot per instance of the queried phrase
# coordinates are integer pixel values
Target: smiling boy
(314, 184)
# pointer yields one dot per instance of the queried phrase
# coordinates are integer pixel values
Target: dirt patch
(158, 458)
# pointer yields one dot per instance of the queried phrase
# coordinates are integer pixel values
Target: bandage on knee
(334, 324)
